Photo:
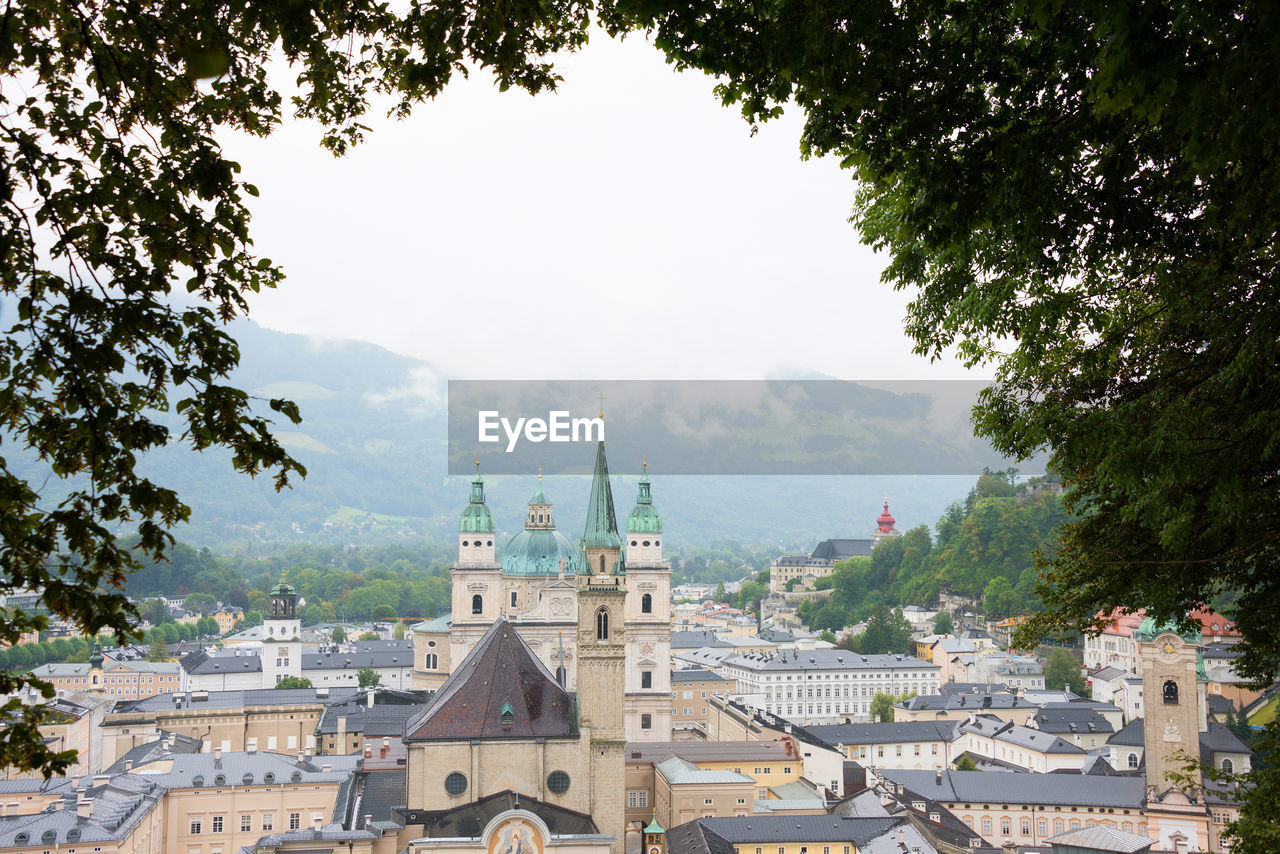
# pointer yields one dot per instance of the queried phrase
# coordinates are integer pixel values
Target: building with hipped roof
(813, 686)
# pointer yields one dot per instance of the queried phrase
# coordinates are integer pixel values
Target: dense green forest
(983, 547)
(335, 582)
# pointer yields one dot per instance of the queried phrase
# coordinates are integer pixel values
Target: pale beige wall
(231, 803)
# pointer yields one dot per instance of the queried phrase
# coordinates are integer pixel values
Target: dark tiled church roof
(500, 675)
(470, 820)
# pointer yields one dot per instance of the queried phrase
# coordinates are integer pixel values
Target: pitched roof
(1048, 789)
(469, 820)
(884, 733)
(745, 830)
(698, 674)
(1099, 837)
(500, 674)
(838, 550)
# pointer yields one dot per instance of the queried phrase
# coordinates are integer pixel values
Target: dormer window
(508, 717)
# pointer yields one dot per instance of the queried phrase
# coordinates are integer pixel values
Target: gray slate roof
(697, 674)
(829, 659)
(884, 733)
(240, 699)
(677, 772)
(1038, 789)
(780, 830)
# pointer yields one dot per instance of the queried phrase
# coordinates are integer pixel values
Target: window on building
(196, 827)
(1042, 827)
(513, 598)
(477, 604)
(1171, 692)
(217, 824)
(637, 798)
(646, 722)
(246, 823)
(646, 678)
(986, 826)
(602, 621)
(1026, 827)
(268, 821)
(646, 604)
(432, 661)
(1133, 760)
(295, 820)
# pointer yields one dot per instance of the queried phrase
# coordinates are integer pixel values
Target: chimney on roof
(373, 692)
(938, 779)
(317, 822)
(217, 754)
(326, 768)
(368, 819)
(84, 806)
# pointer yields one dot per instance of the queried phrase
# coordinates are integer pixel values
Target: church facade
(535, 583)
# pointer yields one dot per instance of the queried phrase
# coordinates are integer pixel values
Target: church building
(535, 583)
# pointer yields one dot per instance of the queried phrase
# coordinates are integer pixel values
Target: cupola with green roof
(539, 550)
(644, 524)
(475, 527)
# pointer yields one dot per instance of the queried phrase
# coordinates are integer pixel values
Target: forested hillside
(982, 547)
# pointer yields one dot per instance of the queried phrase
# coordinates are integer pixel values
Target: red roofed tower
(884, 526)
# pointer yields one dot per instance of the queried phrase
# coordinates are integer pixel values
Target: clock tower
(655, 838)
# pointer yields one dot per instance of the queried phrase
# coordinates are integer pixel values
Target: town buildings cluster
(565, 705)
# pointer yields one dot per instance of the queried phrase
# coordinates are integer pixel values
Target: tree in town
(367, 677)
(338, 635)
(1062, 671)
(398, 632)
(159, 651)
(943, 624)
(966, 763)
(882, 707)
(294, 682)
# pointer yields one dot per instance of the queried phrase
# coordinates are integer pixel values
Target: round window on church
(657, 542)
(558, 782)
(456, 783)
(646, 542)
(633, 542)
(465, 543)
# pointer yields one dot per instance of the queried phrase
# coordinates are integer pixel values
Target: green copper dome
(1148, 629)
(644, 517)
(476, 519)
(539, 548)
(539, 552)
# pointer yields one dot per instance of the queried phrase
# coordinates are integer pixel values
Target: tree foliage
(367, 677)
(293, 682)
(1062, 671)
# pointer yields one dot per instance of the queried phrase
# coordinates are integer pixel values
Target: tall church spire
(601, 545)
(602, 524)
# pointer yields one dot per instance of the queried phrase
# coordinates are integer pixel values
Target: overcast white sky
(626, 226)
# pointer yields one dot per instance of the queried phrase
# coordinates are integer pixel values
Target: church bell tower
(602, 596)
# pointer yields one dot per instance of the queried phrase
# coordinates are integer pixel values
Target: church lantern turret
(644, 525)
(475, 527)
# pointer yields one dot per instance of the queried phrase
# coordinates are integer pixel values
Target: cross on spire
(602, 399)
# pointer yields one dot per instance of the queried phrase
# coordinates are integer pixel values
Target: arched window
(602, 564)
(1171, 692)
(432, 661)
(477, 604)
(1228, 766)
(1133, 760)
(513, 598)
(561, 675)
(602, 624)
(646, 604)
